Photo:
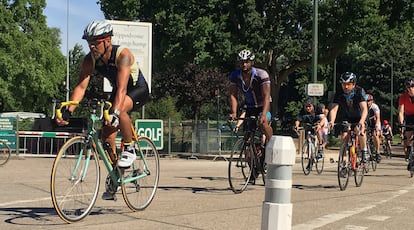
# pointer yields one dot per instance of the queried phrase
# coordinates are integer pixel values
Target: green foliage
(31, 65)
(164, 108)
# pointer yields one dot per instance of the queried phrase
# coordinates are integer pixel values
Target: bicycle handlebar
(104, 107)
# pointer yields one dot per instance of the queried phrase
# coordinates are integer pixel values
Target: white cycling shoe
(127, 158)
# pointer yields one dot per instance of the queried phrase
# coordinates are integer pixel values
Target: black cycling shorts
(139, 94)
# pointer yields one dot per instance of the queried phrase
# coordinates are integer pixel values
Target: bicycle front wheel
(5, 153)
(74, 181)
(389, 153)
(360, 169)
(344, 167)
(140, 181)
(239, 171)
(306, 158)
(373, 158)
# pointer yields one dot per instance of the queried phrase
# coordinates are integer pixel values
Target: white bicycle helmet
(348, 77)
(97, 29)
(246, 55)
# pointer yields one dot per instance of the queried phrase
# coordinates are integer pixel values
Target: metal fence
(205, 137)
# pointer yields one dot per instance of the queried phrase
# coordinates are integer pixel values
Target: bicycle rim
(239, 171)
(140, 181)
(319, 165)
(5, 153)
(74, 180)
(343, 167)
(360, 170)
(306, 158)
(374, 162)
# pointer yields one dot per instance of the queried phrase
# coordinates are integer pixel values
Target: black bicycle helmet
(409, 83)
(348, 77)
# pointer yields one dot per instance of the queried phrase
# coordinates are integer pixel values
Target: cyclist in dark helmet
(312, 114)
(406, 113)
(351, 103)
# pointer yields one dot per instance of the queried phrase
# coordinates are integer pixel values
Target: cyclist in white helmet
(254, 83)
(130, 89)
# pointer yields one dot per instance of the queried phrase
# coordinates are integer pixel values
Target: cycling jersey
(408, 103)
(349, 108)
(252, 93)
(373, 110)
(137, 87)
(110, 70)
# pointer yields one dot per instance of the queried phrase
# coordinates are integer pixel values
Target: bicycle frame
(74, 197)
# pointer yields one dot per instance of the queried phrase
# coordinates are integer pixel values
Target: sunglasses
(95, 42)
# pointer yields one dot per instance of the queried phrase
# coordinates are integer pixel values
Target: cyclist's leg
(362, 139)
(407, 142)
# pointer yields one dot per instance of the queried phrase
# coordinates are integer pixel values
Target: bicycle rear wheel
(74, 181)
(5, 153)
(140, 181)
(306, 158)
(360, 169)
(239, 170)
(344, 167)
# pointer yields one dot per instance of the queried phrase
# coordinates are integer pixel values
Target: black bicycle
(386, 146)
(410, 166)
(246, 161)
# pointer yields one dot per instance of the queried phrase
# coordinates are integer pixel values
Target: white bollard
(277, 206)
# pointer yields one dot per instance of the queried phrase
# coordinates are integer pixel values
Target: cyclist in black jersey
(312, 114)
(130, 89)
(351, 103)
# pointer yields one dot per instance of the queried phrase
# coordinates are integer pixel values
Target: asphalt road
(194, 194)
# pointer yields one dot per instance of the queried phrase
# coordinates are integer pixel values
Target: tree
(192, 87)
(31, 65)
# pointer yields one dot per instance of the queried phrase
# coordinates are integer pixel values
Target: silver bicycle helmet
(246, 55)
(97, 29)
(348, 77)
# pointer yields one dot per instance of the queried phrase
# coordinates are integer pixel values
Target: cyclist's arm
(332, 114)
(364, 112)
(266, 102)
(233, 90)
(401, 113)
(124, 62)
(84, 77)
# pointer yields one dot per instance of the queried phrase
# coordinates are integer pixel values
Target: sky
(81, 13)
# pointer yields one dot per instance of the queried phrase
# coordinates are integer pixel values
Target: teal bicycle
(5, 152)
(75, 176)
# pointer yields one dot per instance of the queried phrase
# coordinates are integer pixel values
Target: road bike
(309, 156)
(5, 152)
(246, 161)
(350, 157)
(386, 146)
(75, 176)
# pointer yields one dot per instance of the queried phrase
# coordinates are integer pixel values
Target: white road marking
(23, 201)
(331, 218)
